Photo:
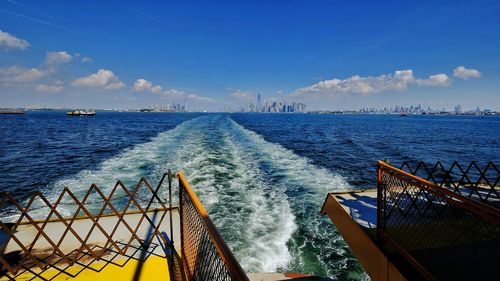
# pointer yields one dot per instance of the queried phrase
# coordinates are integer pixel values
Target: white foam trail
(296, 170)
(307, 185)
(256, 192)
(255, 219)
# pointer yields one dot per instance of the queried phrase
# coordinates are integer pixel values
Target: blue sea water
(262, 177)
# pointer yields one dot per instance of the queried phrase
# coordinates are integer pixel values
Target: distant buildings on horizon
(291, 107)
(174, 107)
(418, 109)
(274, 106)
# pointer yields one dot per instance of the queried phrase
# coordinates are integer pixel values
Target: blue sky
(221, 54)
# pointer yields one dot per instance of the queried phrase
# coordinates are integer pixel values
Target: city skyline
(327, 55)
(280, 106)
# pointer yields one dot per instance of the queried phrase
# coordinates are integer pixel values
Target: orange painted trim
(485, 211)
(369, 255)
(219, 243)
(296, 275)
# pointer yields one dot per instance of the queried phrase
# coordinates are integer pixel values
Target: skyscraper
(259, 101)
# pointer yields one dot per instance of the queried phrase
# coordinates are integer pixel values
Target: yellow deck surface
(153, 268)
(112, 265)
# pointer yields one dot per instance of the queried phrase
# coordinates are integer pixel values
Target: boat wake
(263, 198)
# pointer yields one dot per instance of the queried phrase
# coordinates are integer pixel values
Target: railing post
(208, 256)
(379, 200)
(172, 248)
(181, 223)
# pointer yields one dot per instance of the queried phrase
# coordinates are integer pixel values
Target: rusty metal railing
(46, 248)
(479, 182)
(431, 225)
(205, 255)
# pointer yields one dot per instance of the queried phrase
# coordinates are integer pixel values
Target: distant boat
(403, 114)
(81, 113)
(12, 111)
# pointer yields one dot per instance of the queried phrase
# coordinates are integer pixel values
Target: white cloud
(398, 81)
(83, 59)
(143, 85)
(466, 73)
(173, 93)
(8, 41)
(199, 98)
(435, 80)
(86, 60)
(56, 58)
(156, 89)
(104, 79)
(245, 95)
(361, 85)
(19, 74)
(53, 89)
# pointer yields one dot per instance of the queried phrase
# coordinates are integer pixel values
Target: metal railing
(205, 255)
(474, 181)
(431, 225)
(54, 252)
